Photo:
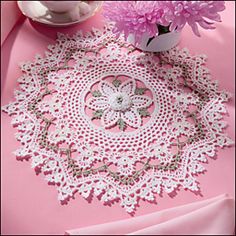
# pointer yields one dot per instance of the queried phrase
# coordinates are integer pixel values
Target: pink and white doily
(97, 116)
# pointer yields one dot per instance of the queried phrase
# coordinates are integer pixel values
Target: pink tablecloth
(10, 14)
(211, 216)
(30, 206)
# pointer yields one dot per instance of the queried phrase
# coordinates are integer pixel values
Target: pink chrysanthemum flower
(178, 13)
(134, 17)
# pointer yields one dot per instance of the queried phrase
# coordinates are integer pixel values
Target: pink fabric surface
(30, 206)
(212, 216)
(10, 14)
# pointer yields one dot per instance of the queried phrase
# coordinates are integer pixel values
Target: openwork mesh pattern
(97, 116)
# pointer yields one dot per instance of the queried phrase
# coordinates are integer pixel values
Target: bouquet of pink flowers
(158, 17)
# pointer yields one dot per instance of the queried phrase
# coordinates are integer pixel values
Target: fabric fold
(211, 216)
(10, 14)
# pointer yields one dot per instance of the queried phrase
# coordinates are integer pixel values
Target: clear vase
(160, 43)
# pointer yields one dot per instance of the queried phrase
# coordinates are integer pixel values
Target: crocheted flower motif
(119, 105)
(160, 150)
(125, 164)
(86, 155)
(113, 50)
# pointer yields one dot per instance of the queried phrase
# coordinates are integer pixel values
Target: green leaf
(143, 112)
(163, 29)
(96, 93)
(116, 83)
(78, 173)
(97, 114)
(130, 50)
(150, 40)
(70, 166)
(121, 124)
(140, 91)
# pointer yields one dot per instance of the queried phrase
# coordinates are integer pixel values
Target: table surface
(30, 206)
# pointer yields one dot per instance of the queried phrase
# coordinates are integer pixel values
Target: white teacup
(60, 6)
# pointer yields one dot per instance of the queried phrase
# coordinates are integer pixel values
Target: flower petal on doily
(128, 87)
(98, 103)
(141, 101)
(106, 88)
(132, 118)
(109, 118)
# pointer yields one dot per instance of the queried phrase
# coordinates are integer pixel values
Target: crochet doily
(97, 116)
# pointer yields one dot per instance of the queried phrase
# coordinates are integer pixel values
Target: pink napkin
(211, 216)
(10, 14)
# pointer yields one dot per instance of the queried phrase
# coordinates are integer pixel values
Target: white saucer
(37, 12)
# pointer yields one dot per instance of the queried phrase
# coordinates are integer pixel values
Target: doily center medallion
(97, 116)
(120, 103)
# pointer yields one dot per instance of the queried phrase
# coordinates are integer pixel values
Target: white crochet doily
(97, 116)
